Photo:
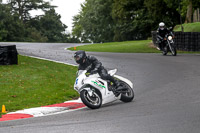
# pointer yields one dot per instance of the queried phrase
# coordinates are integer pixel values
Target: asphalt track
(167, 96)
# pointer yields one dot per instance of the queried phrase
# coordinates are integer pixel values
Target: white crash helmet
(161, 25)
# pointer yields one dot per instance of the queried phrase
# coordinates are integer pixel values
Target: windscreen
(79, 72)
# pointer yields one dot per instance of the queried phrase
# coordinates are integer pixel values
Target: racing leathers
(160, 37)
(92, 65)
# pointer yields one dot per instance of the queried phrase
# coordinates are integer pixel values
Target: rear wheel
(92, 100)
(127, 93)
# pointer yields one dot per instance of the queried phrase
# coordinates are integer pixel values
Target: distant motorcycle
(95, 91)
(169, 45)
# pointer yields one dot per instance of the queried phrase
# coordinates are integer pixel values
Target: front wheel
(173, 50)
(127, 93)
(92, 101)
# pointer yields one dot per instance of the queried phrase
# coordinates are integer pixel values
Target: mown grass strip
(35, 83)
(120, 47)
(189, 27)
(142, 46)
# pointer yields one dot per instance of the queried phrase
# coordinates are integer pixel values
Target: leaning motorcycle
(94, 91)
(169, 45)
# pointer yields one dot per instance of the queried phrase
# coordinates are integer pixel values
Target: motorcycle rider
(161, 32)
(92, 65)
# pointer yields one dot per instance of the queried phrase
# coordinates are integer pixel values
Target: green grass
(190, 27)
(143, 46)
(2, 114)
(35, 83)
(120, 47)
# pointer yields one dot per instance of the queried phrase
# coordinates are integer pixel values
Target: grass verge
(143, 46)
(190, 27)
(35, 83)
(2, 114)
(120, 47)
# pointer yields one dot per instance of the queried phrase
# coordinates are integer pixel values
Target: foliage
(17, 25)
(51, 26)
(132, 22)
(120, 20)
(23, 7)
(11, 28)
(163, 11)
(94, 22)
(188, 7)
(97, 21)
(33, 35)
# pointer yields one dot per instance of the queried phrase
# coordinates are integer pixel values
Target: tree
(11, 29)
(51, 26)
(77, 30)
(4, 15)
(120, 20)
(17, 25)
(94, 22)
(196, 15)
(128, 16)
(165, 11)
(189, 12)
(23, 7)
(188, 9)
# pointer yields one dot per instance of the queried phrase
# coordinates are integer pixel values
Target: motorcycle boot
(117, 84)
(116, 87)
(162, 45)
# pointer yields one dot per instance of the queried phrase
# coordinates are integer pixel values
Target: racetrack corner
(44, 110)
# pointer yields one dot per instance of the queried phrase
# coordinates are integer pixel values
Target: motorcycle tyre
(175, 51)
(87, 103)
(125, 98)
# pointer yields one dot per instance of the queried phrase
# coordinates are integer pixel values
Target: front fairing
(80, 76)
(82, 80)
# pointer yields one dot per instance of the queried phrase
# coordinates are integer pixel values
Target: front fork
(170, 46)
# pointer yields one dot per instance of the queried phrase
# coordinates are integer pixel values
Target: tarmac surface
(167, 95)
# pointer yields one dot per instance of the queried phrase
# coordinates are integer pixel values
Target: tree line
(121, 20)
(97, 21)
(17, 24)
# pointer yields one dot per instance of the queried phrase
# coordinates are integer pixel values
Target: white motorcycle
(95, 91)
